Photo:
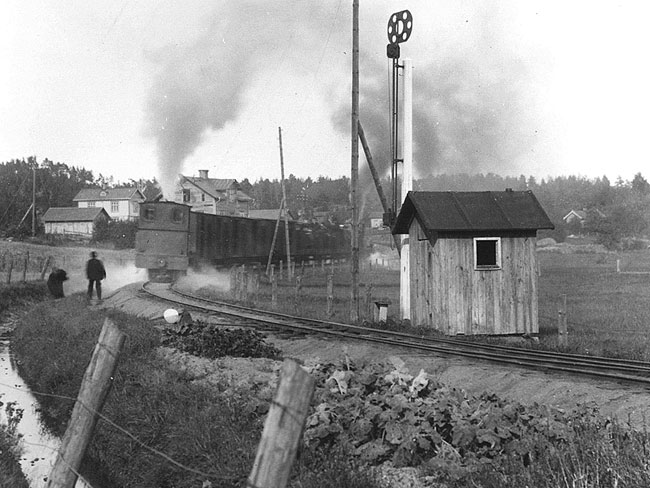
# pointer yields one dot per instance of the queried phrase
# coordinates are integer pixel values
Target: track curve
(631, 371)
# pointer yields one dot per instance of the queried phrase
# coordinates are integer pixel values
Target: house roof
(125, 193)
(488, 211)
(216, 187)
(73, 214)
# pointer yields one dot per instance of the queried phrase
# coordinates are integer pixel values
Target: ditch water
(39, 446)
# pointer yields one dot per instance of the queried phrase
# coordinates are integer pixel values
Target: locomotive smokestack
(203, 174)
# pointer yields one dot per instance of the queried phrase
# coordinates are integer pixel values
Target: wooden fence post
(10, 269)
(45, 265)
(233, 282)
(369, 311)
(562, 328)
(94, 388)
(274, 292)
(330, 295)
(283, 428)
(296, 297)
(244, 283)
(25, 265)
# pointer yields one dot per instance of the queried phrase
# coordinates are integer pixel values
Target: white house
(119, 203)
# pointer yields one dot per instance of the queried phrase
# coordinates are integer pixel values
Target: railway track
(621, 370)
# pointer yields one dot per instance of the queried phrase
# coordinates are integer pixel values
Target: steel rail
(605, 368)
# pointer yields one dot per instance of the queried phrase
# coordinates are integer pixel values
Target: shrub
(121, 233)
(211, 342)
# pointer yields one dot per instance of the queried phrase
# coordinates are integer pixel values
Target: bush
(121, 233)
(211, 342)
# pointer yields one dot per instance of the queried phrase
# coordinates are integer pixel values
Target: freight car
(172, 239)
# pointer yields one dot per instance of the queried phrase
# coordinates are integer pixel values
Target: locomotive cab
(162, 240)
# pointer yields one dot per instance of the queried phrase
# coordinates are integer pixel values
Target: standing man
(95, 273)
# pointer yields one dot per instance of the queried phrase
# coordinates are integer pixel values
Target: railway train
(172, 239)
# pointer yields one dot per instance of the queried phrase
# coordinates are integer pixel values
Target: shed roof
(125, 193)
(73, 214)
(486, 211)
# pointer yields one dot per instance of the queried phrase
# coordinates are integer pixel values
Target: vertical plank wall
(448, 294)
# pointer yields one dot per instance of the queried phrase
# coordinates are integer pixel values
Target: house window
(115, 207)
(487, 253)
(91, 204)
(186, 195)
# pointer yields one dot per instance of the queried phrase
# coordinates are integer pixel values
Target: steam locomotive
(172, 239)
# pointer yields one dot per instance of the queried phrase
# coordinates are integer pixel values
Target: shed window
(487, 253)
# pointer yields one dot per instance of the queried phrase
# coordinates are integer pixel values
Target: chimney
(203, 174)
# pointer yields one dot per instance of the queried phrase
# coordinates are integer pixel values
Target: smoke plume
(200, 86)
(474, 101)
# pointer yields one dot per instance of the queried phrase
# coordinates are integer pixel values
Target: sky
(154, 88)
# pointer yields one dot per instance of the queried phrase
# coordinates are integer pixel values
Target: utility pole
(34, 199)
(284, 201)
(354, 177)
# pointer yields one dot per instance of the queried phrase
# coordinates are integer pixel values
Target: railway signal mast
(399, 29)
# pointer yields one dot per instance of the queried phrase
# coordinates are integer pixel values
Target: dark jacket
(95, 269)
(55, 282)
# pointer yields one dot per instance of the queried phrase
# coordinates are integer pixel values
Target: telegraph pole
(286, 213)
(354, 177)
(34, 199)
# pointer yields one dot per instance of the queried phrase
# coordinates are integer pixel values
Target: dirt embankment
(626, 402)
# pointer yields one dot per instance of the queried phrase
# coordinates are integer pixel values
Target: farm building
(73, 221)
(473, 263)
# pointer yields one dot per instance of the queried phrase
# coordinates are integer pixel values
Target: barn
(473, 262)
(73, 221)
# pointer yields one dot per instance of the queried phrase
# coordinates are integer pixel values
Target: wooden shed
(73, 221)
(473, 262)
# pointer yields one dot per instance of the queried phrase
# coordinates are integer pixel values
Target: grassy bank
(210, 435)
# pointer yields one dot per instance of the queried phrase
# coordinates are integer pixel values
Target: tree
(640, 184)
(56, 186)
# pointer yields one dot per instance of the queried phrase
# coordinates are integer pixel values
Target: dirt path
(625, 402)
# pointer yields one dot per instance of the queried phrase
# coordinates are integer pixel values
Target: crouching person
(55, 282)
